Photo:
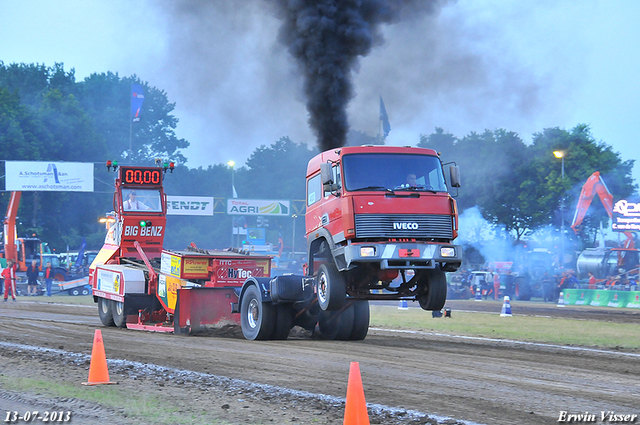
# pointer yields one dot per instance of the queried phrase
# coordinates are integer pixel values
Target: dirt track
(477, 380)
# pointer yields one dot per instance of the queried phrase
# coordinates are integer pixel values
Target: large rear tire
(284, 322)
(331, 287)
(105, 312)
(432, 289)
(257, 318)
(119, 315)
(360, 320)
(336, 325)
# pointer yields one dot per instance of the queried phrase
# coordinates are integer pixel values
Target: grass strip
(136, 405)
(549, 330)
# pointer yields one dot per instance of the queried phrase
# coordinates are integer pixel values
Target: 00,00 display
(152, 177)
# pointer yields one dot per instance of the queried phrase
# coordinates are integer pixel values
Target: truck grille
(414, 226)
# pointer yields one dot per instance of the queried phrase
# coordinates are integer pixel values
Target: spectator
(625, 283)
(48, 278)
(572, 281)
(485, 286)
(592, 281)
(496, 286)
(508, 284)
(32, 279)
(561, 285)
(9, 275)
(632, 284)
(608, 284)
(547, 288)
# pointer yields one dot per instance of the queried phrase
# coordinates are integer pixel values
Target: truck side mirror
(326, 173)
(454, 175)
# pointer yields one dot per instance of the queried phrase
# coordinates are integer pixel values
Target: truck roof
(334, 154)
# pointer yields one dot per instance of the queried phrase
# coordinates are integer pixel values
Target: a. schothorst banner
(258, 207)
(49, 176)
(626, 215)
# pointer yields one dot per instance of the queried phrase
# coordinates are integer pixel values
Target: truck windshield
(141, 200)
(383, 171)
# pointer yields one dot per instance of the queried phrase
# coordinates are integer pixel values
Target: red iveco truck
(380, 225)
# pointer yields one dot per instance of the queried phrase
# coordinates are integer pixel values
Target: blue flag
(386, 127)
(79, 261)
(137, 97)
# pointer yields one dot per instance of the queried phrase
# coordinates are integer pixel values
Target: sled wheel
(119, 316)
(105, 312)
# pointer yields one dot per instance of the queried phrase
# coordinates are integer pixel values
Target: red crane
(596, 186)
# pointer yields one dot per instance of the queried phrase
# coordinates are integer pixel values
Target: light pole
(293, 241)
(560, 154)
(234, 229)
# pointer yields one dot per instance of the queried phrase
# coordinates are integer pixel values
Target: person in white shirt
(132, 204)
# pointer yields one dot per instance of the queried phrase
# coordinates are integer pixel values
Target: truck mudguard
(262, 283)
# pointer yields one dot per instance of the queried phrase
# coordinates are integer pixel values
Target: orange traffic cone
(355, 411)
(98, 372)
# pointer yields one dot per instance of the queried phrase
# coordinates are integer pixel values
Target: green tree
(544, 189)
(46, 116)
(106, 99)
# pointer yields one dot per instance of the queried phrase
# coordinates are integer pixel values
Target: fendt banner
(49, 176)
(258, 207)
(189, 205)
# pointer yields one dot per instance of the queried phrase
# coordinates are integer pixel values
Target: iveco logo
(405, 226)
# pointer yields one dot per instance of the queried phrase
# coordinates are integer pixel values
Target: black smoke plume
(326, 37)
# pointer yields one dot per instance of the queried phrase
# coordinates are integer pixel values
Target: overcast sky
(471, 65)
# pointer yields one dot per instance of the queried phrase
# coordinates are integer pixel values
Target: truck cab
(377, 212)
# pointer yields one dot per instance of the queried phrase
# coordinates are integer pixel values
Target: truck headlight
(367, 251)
(447, 251)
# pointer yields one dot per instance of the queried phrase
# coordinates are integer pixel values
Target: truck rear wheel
(119, 316)
(331, 287)
(432, 290)
(360, 320)
(105, 312)
(257, 318)
(336, 325)
(284, 322)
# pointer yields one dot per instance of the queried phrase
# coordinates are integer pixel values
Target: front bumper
(399, 255)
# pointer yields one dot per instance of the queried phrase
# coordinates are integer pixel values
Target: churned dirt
(408, 378)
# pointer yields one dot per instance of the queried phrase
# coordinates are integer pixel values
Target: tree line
(46, 115)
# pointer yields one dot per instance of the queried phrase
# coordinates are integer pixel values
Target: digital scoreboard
(141, 176)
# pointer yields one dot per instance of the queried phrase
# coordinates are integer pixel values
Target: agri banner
(189, 205)
(49, 176)
(258, 207)
(602, 298)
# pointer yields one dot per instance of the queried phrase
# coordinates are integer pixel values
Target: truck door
(332, 206)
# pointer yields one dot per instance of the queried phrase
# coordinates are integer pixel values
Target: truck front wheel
(330, 287)
(432, 290)
(257, 318)
(105, 312)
